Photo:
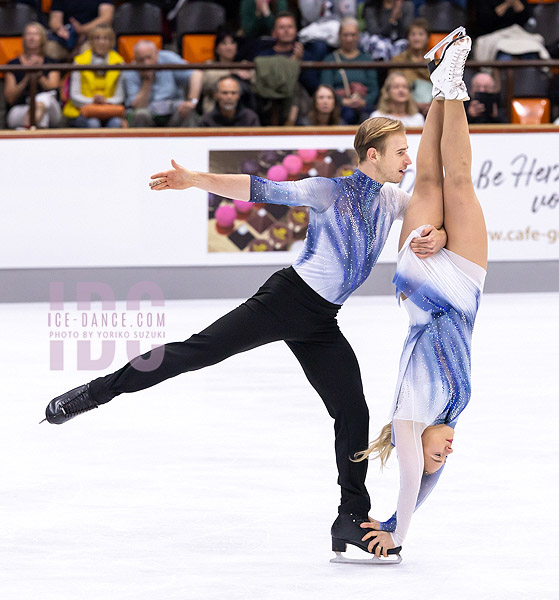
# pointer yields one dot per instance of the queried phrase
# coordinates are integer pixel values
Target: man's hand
(185, 109)
(147, 76)
(99, 99)
(396, 14)
(381, 539)
(178, 178)
(475, 109)
(430, 242)
(298, 50)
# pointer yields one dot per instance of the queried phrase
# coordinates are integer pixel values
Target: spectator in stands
(484, 104)
(387, 23)
(286, 44)
(325, 109)
(157, 98)
(396, 102)
(315, 10)
(70, 22)
(96, 98)
(492, 15)
(321, 19)
(257, 16)
(418, 79)
(225, 50)
(502, 35)
(228, 112)
(16, 85)
(357, 88)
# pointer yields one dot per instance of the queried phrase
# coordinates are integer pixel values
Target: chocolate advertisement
(237, 226)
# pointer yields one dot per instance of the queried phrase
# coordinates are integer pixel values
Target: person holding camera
(484, 105)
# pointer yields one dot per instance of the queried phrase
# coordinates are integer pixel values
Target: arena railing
(508, 67)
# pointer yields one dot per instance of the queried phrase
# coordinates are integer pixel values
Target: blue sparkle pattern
(349, 221)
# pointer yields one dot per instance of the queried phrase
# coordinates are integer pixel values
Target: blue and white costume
(349, 221)
(443, 293)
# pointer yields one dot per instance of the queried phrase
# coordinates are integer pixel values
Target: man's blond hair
(373, 134)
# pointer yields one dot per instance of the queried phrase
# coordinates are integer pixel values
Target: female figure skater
(441, 294)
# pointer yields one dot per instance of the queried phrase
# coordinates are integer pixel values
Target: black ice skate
(69, 405)
(347, 530)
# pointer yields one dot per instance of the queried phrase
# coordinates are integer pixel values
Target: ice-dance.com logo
(93, 330)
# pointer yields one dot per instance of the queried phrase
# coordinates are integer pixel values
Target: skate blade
(393, 559)
(458, 31)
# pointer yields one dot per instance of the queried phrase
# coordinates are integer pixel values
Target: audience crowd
(276, 35)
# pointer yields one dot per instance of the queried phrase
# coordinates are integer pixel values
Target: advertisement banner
(85, 202)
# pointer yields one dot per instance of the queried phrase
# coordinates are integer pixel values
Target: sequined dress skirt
(443, 294)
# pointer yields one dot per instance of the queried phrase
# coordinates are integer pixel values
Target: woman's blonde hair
(384, 104)
(381, 447)
(103, 28)
(42, 33)
(373, 132)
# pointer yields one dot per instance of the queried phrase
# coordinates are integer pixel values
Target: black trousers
(284, 308)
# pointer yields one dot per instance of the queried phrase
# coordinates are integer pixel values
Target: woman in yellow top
(96, 89)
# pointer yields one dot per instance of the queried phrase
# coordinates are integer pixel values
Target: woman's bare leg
(463, 217)
(426, 204)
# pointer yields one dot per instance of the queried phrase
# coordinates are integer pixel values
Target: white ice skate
(458, 32)
(447, 73)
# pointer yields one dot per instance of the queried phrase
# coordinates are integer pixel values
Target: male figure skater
(350, 218)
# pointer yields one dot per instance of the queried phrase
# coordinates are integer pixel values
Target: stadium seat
(197, 23)
(134, 22)
(547, 21)
(530, 111)
(45, 6)
(442, 15)
(126, 43)
(530, 82)
(198, 47)
(434, 39)
(14, 18)
(10, 47)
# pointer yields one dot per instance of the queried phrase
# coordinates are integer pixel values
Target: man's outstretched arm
(236, 187)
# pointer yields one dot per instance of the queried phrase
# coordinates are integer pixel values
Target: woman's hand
(178, 178)
(381, 539)
(354, 101)
(430, 242)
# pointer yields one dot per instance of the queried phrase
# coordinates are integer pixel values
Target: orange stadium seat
(434, 39)
(134, 22)
(126, 43)
(198, 47)
(197, 23)
(530, 111)
(542, 1)
(10, 47)
(45, 6)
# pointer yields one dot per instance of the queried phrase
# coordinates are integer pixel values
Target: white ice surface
(221, 484)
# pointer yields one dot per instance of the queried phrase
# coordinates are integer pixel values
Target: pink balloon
(242, 206)
(292, 163)
(277, 173)
(307, 155)
(225, 215)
